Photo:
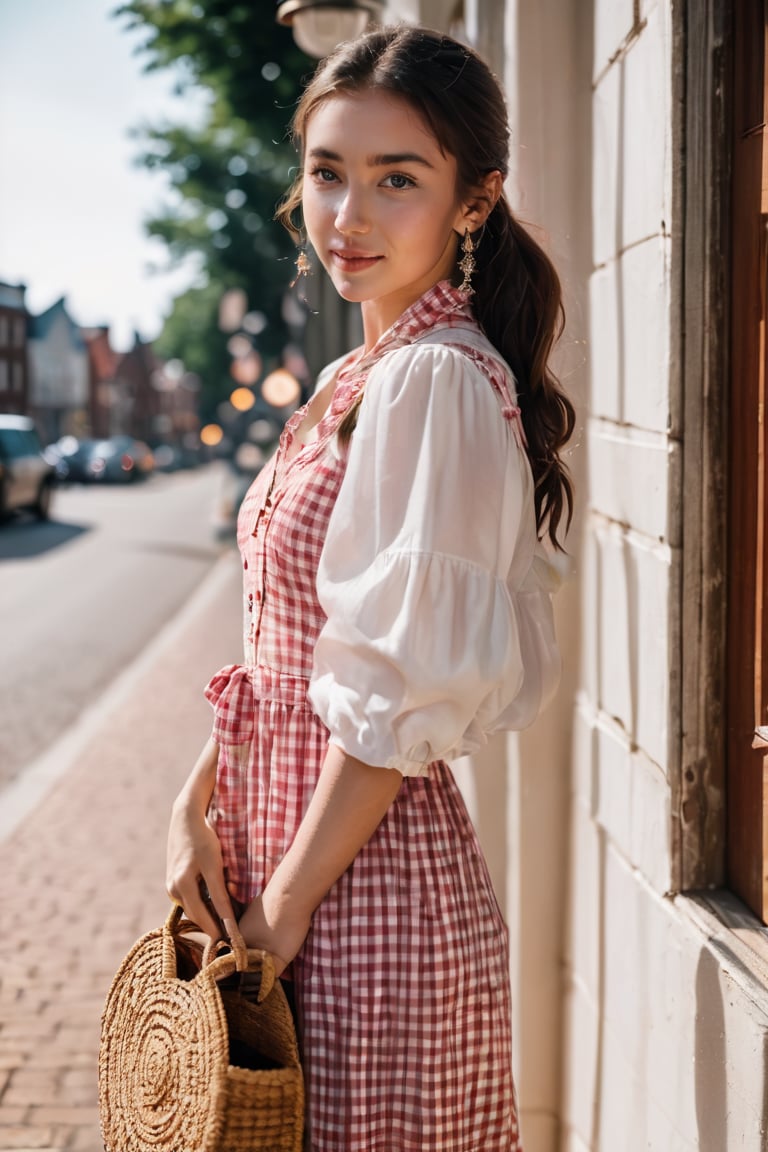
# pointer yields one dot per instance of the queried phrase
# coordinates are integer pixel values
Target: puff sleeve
(439, 626)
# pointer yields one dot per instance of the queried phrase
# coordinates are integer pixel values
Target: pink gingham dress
(402, 987)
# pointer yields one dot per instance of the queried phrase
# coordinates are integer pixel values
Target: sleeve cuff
(401, 764)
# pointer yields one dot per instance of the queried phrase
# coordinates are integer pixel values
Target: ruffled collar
(440, 306)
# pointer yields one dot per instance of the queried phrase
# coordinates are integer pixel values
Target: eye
(399, 181)
(323, 175)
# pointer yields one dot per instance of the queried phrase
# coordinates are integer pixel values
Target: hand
(282, 935)
(195, 870)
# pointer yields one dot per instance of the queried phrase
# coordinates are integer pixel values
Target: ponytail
(517, 302)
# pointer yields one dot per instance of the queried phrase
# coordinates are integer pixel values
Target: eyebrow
(381, 160)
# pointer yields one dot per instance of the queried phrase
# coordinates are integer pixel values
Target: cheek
(318, 211)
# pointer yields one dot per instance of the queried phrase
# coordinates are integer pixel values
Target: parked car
(118, 459)
(26, 477)
(70, 457)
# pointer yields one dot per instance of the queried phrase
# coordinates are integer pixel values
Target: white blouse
(437, 592)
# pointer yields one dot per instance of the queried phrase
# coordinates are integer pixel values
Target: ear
(479, 204)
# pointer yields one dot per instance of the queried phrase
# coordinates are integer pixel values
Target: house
(107, 402)
(13, 349)
(627, 830)
(159, 400)
(58, 373)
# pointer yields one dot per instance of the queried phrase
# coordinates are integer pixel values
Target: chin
(352, 293)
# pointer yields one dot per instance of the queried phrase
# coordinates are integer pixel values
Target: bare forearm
(199, 785)
(349, 803)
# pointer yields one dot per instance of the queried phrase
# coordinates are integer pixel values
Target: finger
(219, 897)
(196, 909)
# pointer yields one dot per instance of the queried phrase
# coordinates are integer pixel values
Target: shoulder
(424, 367)
(429, 394)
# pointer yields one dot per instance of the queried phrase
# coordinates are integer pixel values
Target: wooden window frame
(701, 95)
(719, 773)
(747, 626)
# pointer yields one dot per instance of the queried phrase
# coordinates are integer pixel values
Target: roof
(39, 326)
(12, 296)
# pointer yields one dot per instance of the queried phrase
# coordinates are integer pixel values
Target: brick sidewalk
(82, 876)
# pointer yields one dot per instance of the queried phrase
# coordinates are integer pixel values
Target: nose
(352, 215)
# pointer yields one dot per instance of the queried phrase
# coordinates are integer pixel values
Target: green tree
(228, 173)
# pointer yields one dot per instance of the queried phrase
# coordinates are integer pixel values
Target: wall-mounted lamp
(319, 25)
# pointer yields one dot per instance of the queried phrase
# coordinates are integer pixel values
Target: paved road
(82, 595)
(83, 870)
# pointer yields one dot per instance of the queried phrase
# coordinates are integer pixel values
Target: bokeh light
(281, 388)
(242, 399)
(211, 435)
(246, 369)
(232, 308)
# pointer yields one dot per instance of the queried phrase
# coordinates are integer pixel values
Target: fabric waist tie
(234, 691)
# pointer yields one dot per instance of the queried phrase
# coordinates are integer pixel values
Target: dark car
(118, 459)
(26, 477)
(70, 457)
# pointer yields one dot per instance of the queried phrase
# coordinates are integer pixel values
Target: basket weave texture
(186, 1064)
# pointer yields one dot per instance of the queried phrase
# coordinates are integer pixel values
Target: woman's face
(379, 198)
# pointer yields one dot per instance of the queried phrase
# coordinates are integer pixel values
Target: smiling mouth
(353, 261)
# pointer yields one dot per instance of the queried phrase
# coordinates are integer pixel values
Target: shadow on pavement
(23, 537)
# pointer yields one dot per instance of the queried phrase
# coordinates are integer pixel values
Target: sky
(72, 200)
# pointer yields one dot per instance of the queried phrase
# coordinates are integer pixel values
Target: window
(17, 377)
(747, 621)
(11, 445)
(4, 331)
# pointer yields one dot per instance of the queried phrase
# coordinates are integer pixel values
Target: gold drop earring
(467, 263)
(303, 266)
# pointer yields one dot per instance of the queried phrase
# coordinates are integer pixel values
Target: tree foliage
(228, 172)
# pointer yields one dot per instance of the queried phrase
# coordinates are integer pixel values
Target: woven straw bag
(186, 1064)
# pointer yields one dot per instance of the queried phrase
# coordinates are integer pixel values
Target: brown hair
(517, 298)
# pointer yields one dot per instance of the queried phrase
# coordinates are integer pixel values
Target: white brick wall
(629, 476)
(666, 1039)
(646, 132)
(644, 333)
(613, 20)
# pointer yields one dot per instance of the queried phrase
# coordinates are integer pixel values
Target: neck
(379, 315)
(376, 320)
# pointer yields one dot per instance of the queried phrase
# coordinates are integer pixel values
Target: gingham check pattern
(402, 985)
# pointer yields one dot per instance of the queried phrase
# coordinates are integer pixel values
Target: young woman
(397, 612)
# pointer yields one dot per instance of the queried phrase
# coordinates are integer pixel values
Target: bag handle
(238, 958)
(234, 941)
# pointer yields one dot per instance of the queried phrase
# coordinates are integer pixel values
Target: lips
(352, 260)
